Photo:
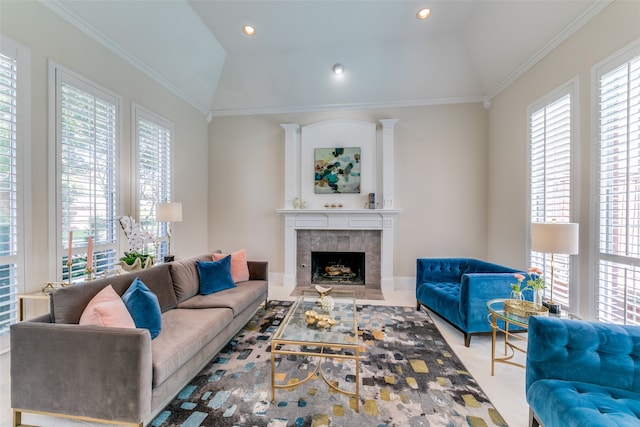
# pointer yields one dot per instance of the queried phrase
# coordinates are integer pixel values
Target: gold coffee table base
(314, 375)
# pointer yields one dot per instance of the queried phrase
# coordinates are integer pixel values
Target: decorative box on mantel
(339, 212)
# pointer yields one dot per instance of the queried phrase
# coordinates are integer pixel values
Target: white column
(387, 283)
(292, 162)
(387, 164)
(289, 279)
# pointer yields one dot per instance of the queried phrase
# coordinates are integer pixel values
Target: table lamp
(169, 212)
(554, 238)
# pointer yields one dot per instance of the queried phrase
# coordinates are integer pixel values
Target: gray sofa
(59, 367)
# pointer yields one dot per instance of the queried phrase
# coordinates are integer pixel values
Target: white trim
(619, 57)
(22, 55)
(86, 28)
(571, 87)
(57, 71)
(567, 32)
(354, 106)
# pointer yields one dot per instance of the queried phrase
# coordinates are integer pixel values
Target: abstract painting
(337, 170)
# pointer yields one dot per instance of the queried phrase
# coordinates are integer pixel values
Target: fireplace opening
(344, 268)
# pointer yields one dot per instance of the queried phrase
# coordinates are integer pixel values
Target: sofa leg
(467, 340)
(533, 421)
(17, 418)
(418, 306)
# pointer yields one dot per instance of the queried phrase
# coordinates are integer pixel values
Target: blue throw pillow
(215, 276)
(144, 307)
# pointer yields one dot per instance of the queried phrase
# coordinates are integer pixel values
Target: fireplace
(339, 222)
(337, 268)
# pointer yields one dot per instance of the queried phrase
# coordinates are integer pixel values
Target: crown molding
(82, 25)
(563, 35)
(352, 106)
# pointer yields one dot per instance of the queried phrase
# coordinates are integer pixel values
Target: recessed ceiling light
(423, 13)
(249, 30)
(338, 69)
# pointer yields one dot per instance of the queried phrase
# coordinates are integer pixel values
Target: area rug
(409, 377)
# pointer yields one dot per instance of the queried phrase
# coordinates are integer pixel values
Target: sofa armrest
(478, 288)
(258, 270)
(590, 352)
(88, 371)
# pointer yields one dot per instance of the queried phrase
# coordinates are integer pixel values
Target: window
(86, 140)
(153, 153)
(550, 138)
(618, 189)
(14, 143)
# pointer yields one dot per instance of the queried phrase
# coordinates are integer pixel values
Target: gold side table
(35, 295)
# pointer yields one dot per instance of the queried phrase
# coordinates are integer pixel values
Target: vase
(137, 264)
(537, 297)
(517, 295)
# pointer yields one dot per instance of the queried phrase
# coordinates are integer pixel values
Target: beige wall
(50, 37)
(441, 182)
(611, 30)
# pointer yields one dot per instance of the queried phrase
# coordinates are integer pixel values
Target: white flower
(137, 237)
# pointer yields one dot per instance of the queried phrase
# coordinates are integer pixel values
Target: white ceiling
(467, 50)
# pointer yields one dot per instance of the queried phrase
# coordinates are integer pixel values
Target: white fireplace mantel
(340, 219)
(377, 143)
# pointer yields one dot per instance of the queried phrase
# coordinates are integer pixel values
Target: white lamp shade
(555, 237)
(169, 212)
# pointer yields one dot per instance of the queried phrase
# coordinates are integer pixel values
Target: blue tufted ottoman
(582, 374)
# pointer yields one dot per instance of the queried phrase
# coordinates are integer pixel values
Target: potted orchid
(135, 259)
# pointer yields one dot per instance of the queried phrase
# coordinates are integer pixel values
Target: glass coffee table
(310, 330)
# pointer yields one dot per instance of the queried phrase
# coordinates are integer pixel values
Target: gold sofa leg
(17, 419)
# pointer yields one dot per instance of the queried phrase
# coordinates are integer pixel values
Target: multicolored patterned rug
(409, 377)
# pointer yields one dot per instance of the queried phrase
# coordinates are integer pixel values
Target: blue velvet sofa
(582, 374)
(457, 289)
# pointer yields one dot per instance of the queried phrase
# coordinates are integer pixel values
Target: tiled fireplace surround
(367, 241)
(350, 227)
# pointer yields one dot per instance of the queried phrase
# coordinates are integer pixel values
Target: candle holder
(69, 265)
(89, 273)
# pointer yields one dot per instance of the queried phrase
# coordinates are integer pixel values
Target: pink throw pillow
(106, 308)
(239, 267)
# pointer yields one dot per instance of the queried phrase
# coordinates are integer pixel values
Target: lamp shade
(555, 237)
(169, 212)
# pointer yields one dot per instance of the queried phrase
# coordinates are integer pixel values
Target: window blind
(618, 192)
(550, 182)
(8, 192)
(154, 174)
(87, 156)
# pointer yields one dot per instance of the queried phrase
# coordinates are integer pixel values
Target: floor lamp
(169, 212)
(554, 238)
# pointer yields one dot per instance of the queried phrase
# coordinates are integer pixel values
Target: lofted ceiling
(466, 51)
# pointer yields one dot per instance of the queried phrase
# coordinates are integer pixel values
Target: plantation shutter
(154, 174)
(9, 271)
(88, 135)
(618, 207)
(550, 182)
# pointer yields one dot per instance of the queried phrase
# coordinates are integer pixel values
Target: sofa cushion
(237, 299)
(443, 298)
(107, 309)
(144, 307)
(68, 303)
(577, 404)
(184, 273)
(215, 276)
(239, 267)
(184, 334)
